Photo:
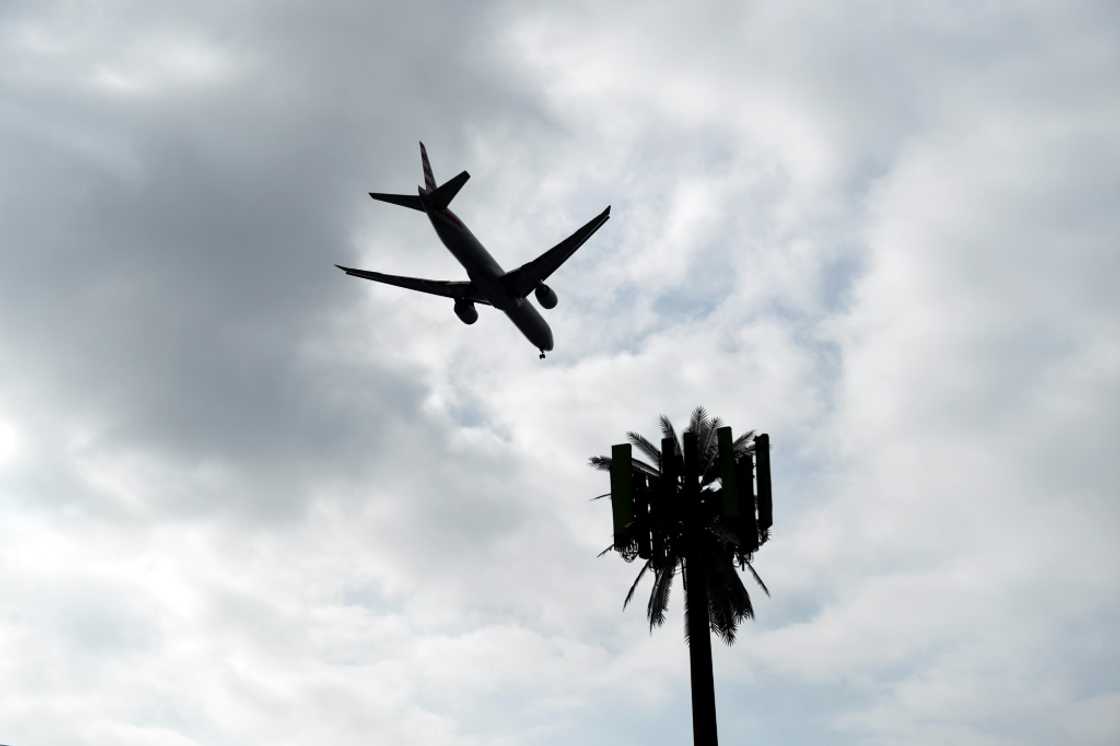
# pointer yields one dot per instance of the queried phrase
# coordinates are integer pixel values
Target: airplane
(488, 285)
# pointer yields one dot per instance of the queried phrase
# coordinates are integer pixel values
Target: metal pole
(696, 598)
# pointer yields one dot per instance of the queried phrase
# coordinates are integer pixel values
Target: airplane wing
(521, 281)
(446, 288)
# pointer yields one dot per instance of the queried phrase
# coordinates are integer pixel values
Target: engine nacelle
(545, 296)
(466, 311)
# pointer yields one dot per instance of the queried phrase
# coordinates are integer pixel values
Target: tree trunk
(700, 651)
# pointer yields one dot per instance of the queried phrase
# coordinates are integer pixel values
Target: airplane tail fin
(431, 196)
(429, 179)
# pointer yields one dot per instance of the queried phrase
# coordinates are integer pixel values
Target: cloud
(246, 498)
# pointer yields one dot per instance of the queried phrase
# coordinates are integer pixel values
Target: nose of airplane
(531, 324)
(544, 337)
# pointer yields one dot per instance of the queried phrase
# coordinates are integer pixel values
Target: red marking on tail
(429, 179)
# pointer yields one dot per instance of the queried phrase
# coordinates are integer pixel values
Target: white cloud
(245, 498)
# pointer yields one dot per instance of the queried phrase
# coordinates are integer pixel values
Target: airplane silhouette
(488, 284)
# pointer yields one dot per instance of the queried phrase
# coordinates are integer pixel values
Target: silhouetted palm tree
(698, 536)
(729, 602)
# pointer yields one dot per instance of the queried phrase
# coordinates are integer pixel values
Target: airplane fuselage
(485, 273)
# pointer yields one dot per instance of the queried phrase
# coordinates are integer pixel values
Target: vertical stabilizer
(429, 179)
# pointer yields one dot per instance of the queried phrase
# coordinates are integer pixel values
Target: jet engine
(466, 311)
(545, 296)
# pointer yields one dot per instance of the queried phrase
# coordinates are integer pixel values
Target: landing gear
(542, 354)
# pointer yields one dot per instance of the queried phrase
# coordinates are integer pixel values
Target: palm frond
(708, 440)
(743, 442)
(603, 463)
(757, 579)
(659, 595)
(600, 497)
(600, 554)
(634, 585)
(696, 422)
(667, 431)
(729, 603)
(721, 617)
(643, 445)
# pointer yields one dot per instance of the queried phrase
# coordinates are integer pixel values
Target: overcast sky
(245, 499)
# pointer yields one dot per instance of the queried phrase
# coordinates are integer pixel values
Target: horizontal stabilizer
(404, 200)
(441, 197)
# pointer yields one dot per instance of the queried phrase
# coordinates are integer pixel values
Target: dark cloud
(178, 239)
(244, 497)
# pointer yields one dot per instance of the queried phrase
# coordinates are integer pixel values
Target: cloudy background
(246, 499)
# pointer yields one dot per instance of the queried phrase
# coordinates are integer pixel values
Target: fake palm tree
(691, 507)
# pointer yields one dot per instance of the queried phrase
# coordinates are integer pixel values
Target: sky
(247, 499)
